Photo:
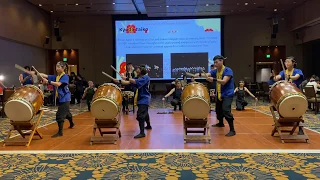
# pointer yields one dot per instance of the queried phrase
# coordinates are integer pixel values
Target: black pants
(241, 104)
(63, 112)
(175, 103)
(223, 110)
(143, 116)
(89, 104)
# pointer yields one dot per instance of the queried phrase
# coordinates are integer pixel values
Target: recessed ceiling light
(167, 6)
(246, 4)
(254, 3)
(77, 4)
(51, 11)
(275, 9)
(113, 3)
(207, 4)
(238, 4)
(277, 2)
(40, 4)
(294, 2)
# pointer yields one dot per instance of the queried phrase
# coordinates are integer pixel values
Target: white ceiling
(160, 8)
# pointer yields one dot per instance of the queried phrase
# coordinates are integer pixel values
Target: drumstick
(21, 68)
(115, 70)
(204, 73)
(189, 74)
(37, 72)
(107, 75)
(284, 70)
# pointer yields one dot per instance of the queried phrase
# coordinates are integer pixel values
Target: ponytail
(64, 65)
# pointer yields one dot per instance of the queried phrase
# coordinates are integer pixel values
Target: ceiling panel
(167, 7)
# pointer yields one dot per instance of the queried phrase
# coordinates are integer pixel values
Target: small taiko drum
(195, 101)
(24, 103)
(106, 102)
(288, 99)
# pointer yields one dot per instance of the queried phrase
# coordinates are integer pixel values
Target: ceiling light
(113, 3)
(207, 4)
(254, 3)
(40, 5)
(246, 4)
(275, 9)
(77, 4)
(167, 6)
(294, 2)
(238, 4)
(51, 11)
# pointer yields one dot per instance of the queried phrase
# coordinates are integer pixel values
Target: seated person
(184, 81)
(314, 82)
(241, 91)
(176, 91)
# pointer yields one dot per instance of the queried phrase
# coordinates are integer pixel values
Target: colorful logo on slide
(123, 67)
(132, 29)
(208, 30)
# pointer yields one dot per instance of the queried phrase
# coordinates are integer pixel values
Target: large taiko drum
(195, 101)
(24, 103)
(288, 99)
(106, 102)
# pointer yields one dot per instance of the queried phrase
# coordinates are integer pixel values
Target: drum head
(195, 108)
(18, 110)
(293, 106)
(104, 109)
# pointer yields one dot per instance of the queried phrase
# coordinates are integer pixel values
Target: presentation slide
(168, 48)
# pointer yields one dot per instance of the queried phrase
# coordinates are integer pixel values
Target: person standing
(292, 74)
(89, 93)
(142, 98)
(223, 76)
(60, 82)
(130, 73)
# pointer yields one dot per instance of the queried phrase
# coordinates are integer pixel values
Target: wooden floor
(253, 132)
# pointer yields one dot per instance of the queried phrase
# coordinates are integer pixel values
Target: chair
(112, 136)
(6, 95)
(312, 98)
(196, 124)
(265, 91)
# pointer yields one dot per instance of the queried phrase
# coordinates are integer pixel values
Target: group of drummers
(137, 81)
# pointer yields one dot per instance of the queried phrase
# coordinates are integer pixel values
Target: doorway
(72, 68)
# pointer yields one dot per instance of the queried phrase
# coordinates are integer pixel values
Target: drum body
(106, 102)
(289, 101)
(24, 103)
(195, 101)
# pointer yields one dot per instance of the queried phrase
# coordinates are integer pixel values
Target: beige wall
(92, 35)
(23, 22)
(23, 28)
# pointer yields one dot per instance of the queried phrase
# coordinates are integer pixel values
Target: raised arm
(202, 75)
(123, 82)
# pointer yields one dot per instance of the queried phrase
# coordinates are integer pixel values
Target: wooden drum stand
(281, 122)
(24, 126)
(196, 124)
(112, 135)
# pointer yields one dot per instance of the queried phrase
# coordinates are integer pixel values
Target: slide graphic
(168, 47)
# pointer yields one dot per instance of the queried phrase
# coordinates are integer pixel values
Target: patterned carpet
(150, 166)
(49, 116)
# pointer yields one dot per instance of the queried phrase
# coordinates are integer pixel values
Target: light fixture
(207, 4)
(1, 77)
(77, 4)
(254, 3)
(113, 3)
(51, 11)
(246, 4)
(275, 9)
(40, 5)
(167, 6)
(268, 46)
(276, 46)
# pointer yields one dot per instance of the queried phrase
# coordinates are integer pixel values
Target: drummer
(130, 73)
(223, 76)
(63, 94)
(142, 98)
(176, 91)
(292, 74)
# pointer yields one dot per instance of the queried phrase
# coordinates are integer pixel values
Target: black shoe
(140, 136)
(231, 133)
(218, 125)
(71, 125)
(148, 127)
(57, 135)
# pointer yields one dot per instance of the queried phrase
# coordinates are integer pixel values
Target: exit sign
(65, 59)
(268, 56)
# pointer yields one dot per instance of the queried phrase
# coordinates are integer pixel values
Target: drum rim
(23, 101)
(191, 83)
(290, 94)
(110, 84)
(195, 97)
(108, 99)
(34, 87)
(276, 83)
